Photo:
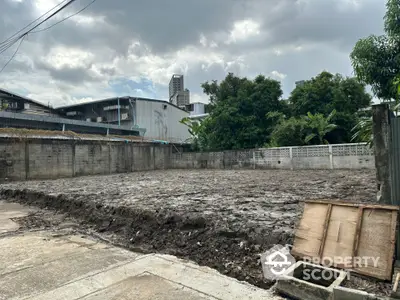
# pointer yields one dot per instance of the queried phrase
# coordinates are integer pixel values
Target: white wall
(341, 156)
(198, 108)
(161, 120)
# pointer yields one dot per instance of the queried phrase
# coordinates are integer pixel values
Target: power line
(8, 45)
(12, 57)
(36, 26)
(74, 14)
(5, 45)
(34, 21)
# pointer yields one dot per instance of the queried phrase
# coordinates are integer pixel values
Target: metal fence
(394, 160)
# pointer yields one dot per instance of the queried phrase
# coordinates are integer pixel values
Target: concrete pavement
(47, 265)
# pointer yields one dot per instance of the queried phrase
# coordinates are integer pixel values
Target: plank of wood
(342, 203)
(325, 232)
(330, 229)
(341, 233)
(375, 241)
(357, 233)
(309, 233)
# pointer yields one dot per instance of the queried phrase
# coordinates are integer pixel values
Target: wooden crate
(333, 229)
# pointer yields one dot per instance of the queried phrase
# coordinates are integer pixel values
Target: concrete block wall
(341, 156)
(12, 160)
(22, 159)
(47, 160)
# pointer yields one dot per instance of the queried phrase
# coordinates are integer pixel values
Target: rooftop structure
(197, 110)
(12, 102)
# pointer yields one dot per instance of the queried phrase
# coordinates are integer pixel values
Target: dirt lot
(222, 219)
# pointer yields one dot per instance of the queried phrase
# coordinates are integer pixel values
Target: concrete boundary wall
(340, 156)
(25, 159)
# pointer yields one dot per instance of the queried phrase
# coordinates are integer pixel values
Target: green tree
(320, 126)
(289, 132)
(303, 130)
(362, 132)
(238, 112)
(327, 92)
(376, 59)
(194, 128)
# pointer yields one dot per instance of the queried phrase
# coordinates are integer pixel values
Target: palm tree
(320, 126)
(193, 126)
(363, 131)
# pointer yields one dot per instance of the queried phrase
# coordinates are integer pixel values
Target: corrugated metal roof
(15, 95)
(115, 99)
(12, 94)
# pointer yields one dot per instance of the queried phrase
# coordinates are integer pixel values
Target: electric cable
(66, 18)
(34, 21)
(9, 42)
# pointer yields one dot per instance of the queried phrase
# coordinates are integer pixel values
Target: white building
(159, 119)
(197, 110)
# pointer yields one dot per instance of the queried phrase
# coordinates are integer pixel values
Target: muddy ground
(221, 219)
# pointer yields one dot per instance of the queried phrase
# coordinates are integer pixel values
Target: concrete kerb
(342, 293)
(295, 286)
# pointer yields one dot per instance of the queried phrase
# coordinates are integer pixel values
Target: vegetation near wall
(248, 113)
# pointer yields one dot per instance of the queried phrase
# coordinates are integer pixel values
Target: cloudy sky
(132, 47)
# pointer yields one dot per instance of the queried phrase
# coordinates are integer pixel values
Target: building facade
(176, 84)
(178, 95)
(150, 118)
(181, 99)
(159, 118)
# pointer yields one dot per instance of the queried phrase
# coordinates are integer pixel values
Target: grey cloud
(167, 26)
(67, 74)
(325, 21)
(108, 71)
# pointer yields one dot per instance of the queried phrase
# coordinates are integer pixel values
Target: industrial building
(178, 95)
(14, 103)
(149, 118)
(160, 119)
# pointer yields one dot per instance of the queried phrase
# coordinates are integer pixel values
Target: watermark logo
(276, 262)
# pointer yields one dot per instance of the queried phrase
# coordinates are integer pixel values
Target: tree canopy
(327, 92)
(376, 59)
(238, 111)
(248, 113)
